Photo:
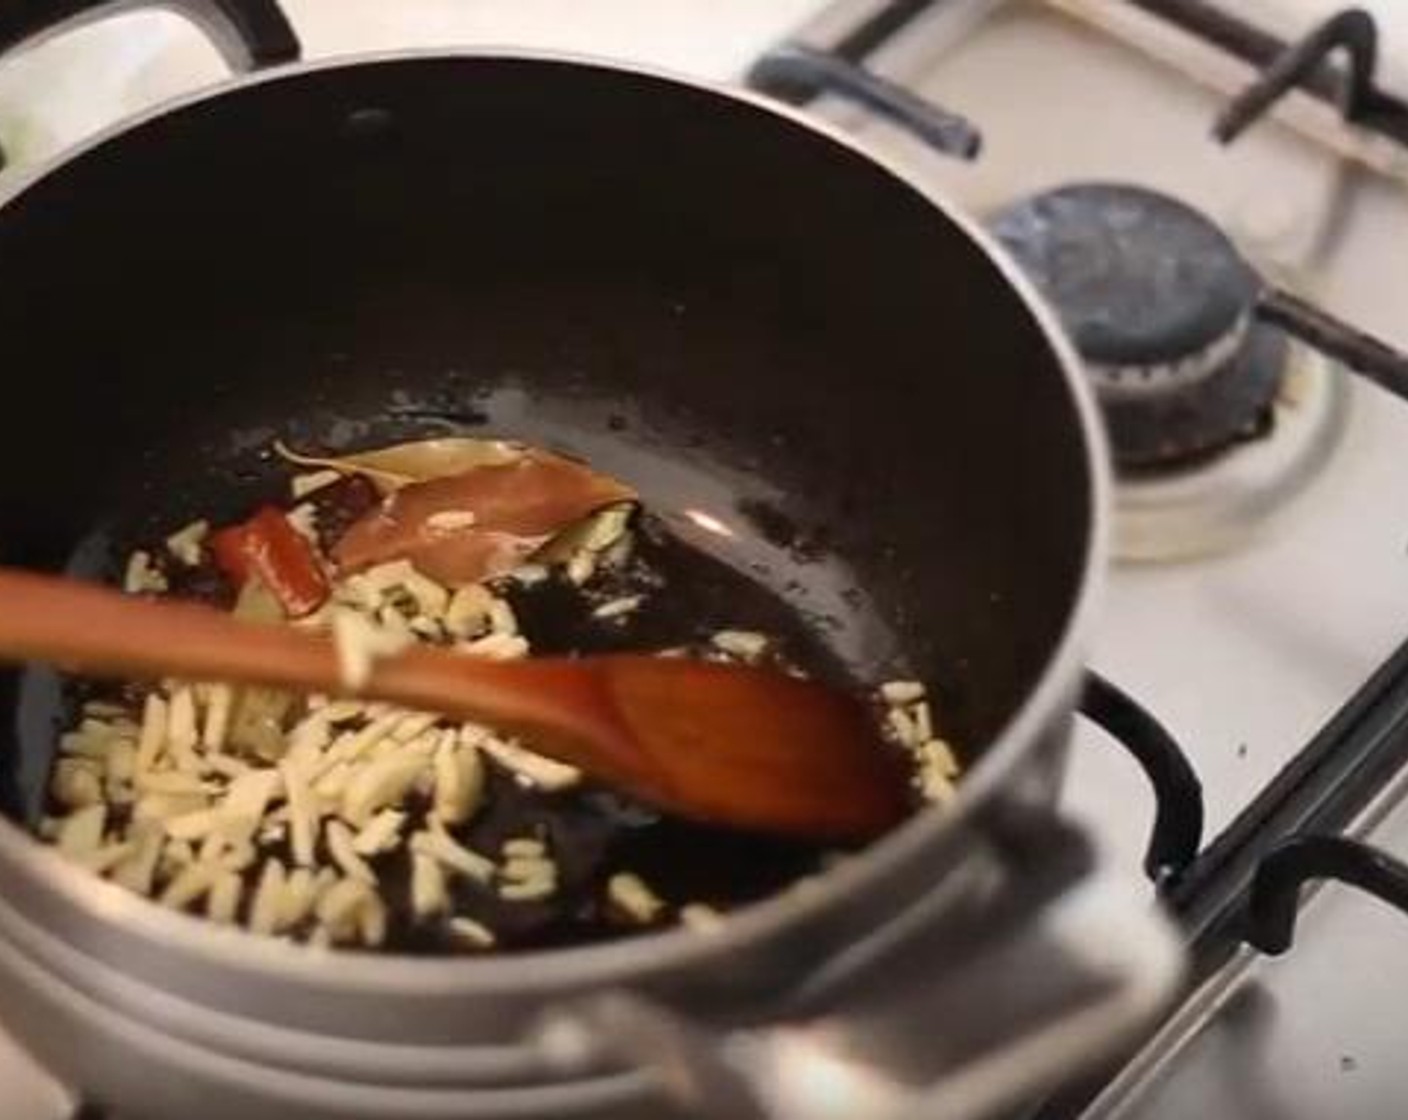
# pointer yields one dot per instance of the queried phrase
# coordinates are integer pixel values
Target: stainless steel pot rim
(359, 1095)
(434, 1066)
(106, 902)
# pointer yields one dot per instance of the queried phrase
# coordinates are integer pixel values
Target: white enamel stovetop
(1243, 656)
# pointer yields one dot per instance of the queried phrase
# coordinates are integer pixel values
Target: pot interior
(744, 319)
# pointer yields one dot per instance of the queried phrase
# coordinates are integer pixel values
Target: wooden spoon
(740, 746)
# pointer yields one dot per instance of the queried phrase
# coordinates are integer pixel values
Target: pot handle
(952, 1020)
(249, 34)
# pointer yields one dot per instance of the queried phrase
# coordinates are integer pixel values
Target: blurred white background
(71, 85)
(68, 87)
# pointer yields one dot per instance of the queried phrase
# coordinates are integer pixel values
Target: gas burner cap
(1159, 303)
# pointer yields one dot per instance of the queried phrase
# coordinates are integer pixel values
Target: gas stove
(1142, 160)
(1260, 603)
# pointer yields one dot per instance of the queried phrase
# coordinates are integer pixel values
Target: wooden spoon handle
(91, 629)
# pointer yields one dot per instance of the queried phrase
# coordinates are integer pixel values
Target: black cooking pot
(743, 315)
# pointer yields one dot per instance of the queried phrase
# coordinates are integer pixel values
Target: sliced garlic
(140, 577)
(459, 780)
(468, 611)
(246, 802)
(342, 711)
(337, 907)
(495, 647)
(210, 848)
(431, 599)
(161, 807)
(75, 783)
(502, 620)
(379, 834)
(178, 783)
(940, 755)
(309, 738)
(412, 725)
(137, 871)
(472, 933)
(606, 528)
(301, 890)
(251, 792)
(923, 722)
(442, 847)
(698, 916)
(106, 730)
(80, 744)
(386, 580)
(303, 817)
(121, 761)
(224, 898)
(176, 855)
(153, 735)
(271, 832)
(530, 768)
(381, 782)
(309, 482)
(225, 765)
(902, 692)
(618, 554)
(266, 911)
(902, 728)
(332, 782)
(99, 860)
(428, 889)
(528, 867)
(937, 769)
(618, 608)
(340, 847)
(581, 567)
(357, 744)
(185, 543)
(81, 831)
(451, 520)
(371, 920)
(238, 855)
(303, 518)
(532, 889)
(530, 575)
(196, 825)
(747, 645)
(358, 643)
(629, 893)
(193, 881)
(103, 709)
(527, 877)
(422, 747)
(217, 717)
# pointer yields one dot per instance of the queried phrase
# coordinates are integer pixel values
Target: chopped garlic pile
(303, 818)
(287, 834)
(164, 806)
